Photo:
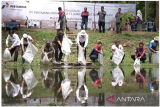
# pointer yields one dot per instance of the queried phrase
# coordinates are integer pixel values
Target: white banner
(47, 12)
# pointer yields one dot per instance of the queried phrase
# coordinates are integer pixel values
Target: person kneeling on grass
(95, 51)
(24, 43)
(117, 46)
(140, 53)
(152, 47)
(48, 48)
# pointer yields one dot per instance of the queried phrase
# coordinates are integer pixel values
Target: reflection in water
(47, 79)
(84, 93)
(13, 81)
(28, 83)
(140, 76)
(118, 77)
(82, 90)
(97, 76)
(152, 81)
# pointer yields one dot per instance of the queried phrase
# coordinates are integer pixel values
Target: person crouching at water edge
(24, 43)
(95, 51)
(48, 49)
(115, 47)
(57, 44)
(152, 47)
(82, 40)
(140, 53)
(15, 44)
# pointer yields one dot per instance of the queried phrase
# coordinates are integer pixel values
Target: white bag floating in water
(45, 58)
(156, 57)
(31, 51)
(81, 58)
(118, 56)
(137, 62)
(118, 76)
(7, 54)
(100, 58)
(30, 79)
(7, 75)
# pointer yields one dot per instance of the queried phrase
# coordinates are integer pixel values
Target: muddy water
(41, 84)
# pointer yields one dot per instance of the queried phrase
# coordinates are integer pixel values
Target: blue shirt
(151, 45)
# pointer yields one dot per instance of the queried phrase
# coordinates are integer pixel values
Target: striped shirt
(141, 52)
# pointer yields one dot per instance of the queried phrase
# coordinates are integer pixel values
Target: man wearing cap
(48, 48)
(84, 16)
(82, 39)
(57, 44)
(24, 43)
(152, 47)
(15, 44)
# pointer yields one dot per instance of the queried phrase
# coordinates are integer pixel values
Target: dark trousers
(16, 49)
(93, 57)
(82, 44)
(142, 59)
(25, 46)
(84, 23)
(117, 28)
(122, 58)
(102, 24)
(14, 78)
(56, 53)
(61, 26)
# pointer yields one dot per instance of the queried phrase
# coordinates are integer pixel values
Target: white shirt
(119, 47)
(26, 42)
(15, 40)
(82, 39)
(86, 90)
(14, 90)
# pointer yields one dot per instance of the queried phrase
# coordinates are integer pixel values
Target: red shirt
(141, 52)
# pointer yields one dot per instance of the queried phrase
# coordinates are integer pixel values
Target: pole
(94, 17)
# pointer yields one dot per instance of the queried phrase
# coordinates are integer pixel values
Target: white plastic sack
(6, 75)
(30, 79)
(117, 76)
(81, 58)
(7, 54)
(137, 62)
(156, 73)
(117, 56)
(100, 72)
(66, 45)
(100, 58)
(137, 69)
(156, 57)
(45, 58)
(81, 74)
(66, 88)
(31, 51)
(45, 73)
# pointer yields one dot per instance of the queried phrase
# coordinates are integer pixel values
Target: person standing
(15, 44)
(118, 20)
(84, 16)
(24, 43)
(101, 21)
(82, 39)
(139, 20)
(57, 44)
(152, 47)
(61, 17)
